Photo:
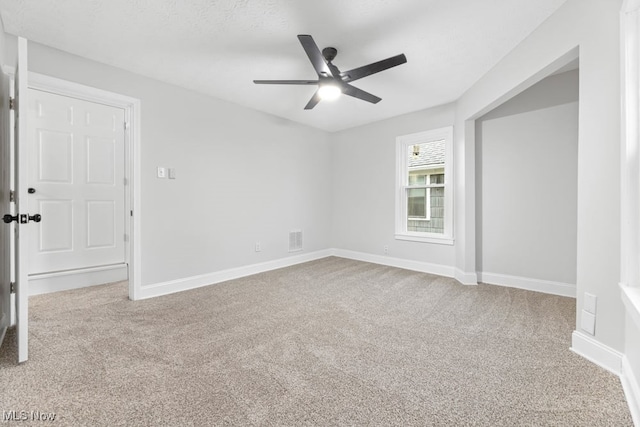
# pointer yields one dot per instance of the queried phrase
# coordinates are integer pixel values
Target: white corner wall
(242, 176)
(527, 188)
(630, 189)
(592, 26)
(364, 168)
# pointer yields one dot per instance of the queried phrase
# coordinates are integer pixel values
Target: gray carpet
(330, 342)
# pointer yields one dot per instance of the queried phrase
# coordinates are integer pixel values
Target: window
(424, 199)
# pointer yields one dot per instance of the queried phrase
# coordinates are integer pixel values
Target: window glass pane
(417, 202)
(415, 179)
(437, 178)
(426, 167)
(436, 224)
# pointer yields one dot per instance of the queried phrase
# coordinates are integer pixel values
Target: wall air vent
(295, 240)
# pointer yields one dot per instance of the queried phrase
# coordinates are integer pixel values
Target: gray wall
(364, 168)
(527, 183)
(242, 176)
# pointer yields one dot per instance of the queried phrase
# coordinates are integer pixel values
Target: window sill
(425, 239)
(631, 300)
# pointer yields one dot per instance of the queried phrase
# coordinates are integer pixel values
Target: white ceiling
(219, 46)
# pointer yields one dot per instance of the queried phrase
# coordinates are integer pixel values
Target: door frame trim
(132, 138)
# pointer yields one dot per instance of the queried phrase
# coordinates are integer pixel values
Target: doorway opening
(83, 179)
(527, 187)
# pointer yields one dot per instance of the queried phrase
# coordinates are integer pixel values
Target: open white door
(20, 107)
(5, 205)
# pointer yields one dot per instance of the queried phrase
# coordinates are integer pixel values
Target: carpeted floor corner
(330, 342)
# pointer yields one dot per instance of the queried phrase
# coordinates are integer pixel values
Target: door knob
(23, 218)
(31, 190)
(8, 218)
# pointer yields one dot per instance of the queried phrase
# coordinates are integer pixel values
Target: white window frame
(402, 184)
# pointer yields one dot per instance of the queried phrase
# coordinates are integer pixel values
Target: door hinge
(12, 196)
(12, 288)
(126, 125)
(126, 238)
(12, 103)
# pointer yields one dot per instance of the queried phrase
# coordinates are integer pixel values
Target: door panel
(58, 113)
(60, 237)
(101, 224)
(101, 157)
(54, 156)
(99, 117)
(77, 159)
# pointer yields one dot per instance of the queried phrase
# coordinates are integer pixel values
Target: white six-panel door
(76, 171)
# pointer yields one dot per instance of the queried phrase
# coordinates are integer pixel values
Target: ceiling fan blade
(286, 82)
(314, 54)
(376, 67)
(360, 94)
(313, 101)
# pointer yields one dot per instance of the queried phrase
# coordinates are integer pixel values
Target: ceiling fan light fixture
(331, 81)
(329, 92)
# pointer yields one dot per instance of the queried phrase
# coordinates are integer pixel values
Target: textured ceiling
(219, 46)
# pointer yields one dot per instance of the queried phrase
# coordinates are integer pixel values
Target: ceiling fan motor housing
(329, 53)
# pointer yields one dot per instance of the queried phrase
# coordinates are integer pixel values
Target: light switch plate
(162, 172)
(172, 173)
(590, 303)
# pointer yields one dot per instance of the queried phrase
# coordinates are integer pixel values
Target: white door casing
(77, 173)
(21, 202)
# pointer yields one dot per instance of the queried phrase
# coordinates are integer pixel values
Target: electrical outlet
(588, 323)
(386, 249)
(258, 247)
(590, 303)
(162, 172)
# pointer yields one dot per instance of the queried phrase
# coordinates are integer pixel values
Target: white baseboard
(631, 386)
(424, 267)
(74, 279)
(193, 282)
(466, 278)
(544, 286)
(596, 352)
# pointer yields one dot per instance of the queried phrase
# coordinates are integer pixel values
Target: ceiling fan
(331, 81)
